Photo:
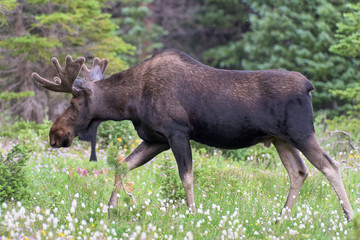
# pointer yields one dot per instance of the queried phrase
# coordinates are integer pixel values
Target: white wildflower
(138, 229)
(143, 236)
(189, 235)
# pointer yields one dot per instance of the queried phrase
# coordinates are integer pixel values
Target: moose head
(74, 121)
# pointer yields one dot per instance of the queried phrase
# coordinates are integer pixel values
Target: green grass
(235, 199)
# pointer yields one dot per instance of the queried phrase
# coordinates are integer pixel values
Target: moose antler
(90, 75)
(66, 76)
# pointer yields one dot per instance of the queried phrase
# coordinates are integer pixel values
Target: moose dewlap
(172, 98)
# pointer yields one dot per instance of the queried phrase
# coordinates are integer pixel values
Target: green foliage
(292, 35)
(39, 29)
(31, 47)
(235, 195)
(13, 182)
(348, 33)
(168, 178)
(7, 96)
(113, 159)
(112, 155)
(122, 132)
(355, 235)
(345, 123)
(328, 131)
(139, 28)
(256, 155)
(26, 131)
(83, 24)
(352, 96)
(5, 7)
(282, 37)
(227, 20)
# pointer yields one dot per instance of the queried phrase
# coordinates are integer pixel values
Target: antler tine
(66, 76)
(97, 62)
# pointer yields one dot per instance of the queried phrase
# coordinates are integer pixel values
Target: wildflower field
(66, 196)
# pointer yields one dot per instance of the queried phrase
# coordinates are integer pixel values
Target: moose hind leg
(296, 169)
(181, 149)
(329, 167)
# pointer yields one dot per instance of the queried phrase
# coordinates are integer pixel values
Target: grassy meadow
(68, 196)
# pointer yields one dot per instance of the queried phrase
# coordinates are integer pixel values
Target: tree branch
(344, 133)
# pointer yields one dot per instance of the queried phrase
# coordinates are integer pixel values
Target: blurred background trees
(319, 38)
(348, 34)
(35, 30)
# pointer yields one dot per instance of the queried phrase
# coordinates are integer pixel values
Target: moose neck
(115, 97)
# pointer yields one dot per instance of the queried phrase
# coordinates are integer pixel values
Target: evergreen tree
(138, 27)
(293, 35)
(348, 34)
(226, 21)
(202, 28)
(5, 7)
(296, 35)
(39, 29)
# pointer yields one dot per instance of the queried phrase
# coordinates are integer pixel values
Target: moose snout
(53, 143)
(60, 138)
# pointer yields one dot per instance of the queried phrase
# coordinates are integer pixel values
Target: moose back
(172, 98)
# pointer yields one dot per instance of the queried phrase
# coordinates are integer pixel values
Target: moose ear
(95, 74)
(81, 84)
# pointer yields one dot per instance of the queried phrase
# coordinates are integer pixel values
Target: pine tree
(292, 35)
(296, 35)
(203, 29)
(348, 34)
(39, 29)
(138, 27)
(6, 6)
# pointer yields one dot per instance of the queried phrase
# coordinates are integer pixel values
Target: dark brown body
(221, 108)
(172, 98)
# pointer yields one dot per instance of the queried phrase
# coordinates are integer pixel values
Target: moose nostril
(53, 144)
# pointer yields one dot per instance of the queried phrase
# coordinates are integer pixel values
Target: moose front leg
(141, 155)
(181, 149)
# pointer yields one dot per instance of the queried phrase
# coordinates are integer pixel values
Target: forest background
(318, 38)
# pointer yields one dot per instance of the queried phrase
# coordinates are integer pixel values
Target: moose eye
(72, 104)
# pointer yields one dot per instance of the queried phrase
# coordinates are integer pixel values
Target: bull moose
(172, 98)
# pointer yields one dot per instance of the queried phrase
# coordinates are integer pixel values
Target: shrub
(170, 183)
(111, 131)
(356, 227)
(13, 183)
(25, 130)
(114, 160)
